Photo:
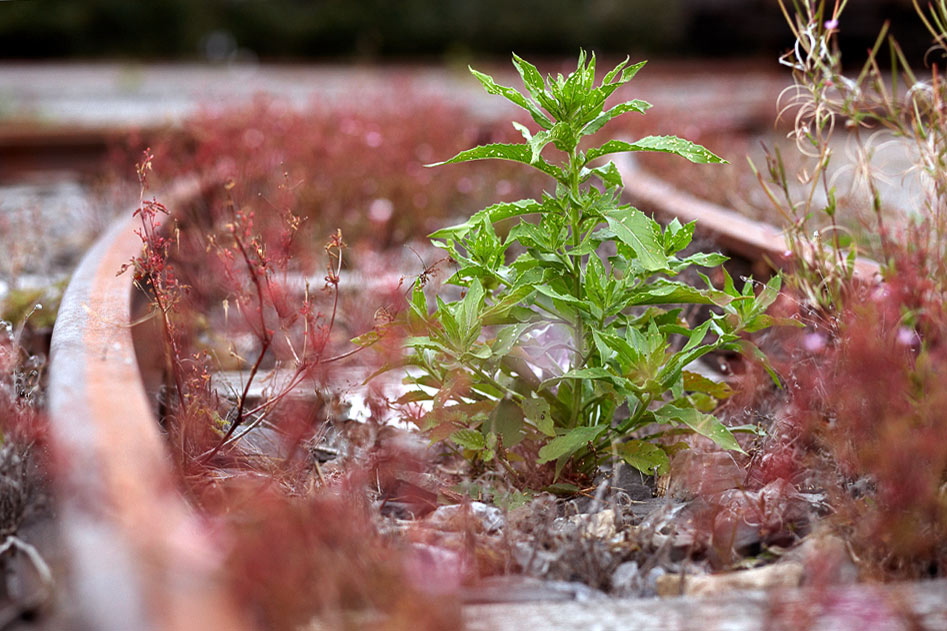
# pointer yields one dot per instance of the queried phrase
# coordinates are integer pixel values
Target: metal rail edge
(139, 557)
(738, 234)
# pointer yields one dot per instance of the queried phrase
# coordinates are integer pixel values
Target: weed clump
(864, 424)
(227, 291)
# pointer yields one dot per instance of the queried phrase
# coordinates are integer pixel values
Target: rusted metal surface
(139, 556)
(753, 240)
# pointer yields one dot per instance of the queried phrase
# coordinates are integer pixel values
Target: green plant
(565, 341)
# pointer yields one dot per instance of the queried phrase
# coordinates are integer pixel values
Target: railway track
(139, 556)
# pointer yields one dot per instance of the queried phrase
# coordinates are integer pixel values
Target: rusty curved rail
(139, 557)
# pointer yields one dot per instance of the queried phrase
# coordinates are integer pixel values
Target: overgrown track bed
(140, 558)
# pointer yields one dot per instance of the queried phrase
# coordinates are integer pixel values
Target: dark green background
(301, 30)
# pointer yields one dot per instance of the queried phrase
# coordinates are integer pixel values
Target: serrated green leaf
(627, 353)
(695, 382)
(569, 443)
(611, 74)
(677, 236)
(637, 231)
(419, 301)
(665, 144)
(609, 175)
(605, 351)
(524, 130)
(537, 143)
(447, 316)
(469, 439)
(648, 458)
(610, 84)
(480, 351)
(501, 151)
(499, 311)
(492, 87)
(513, 96)
(622, 108)
(697, 335)
(468, 311)
(563, 135)
(528, 235)
(495, 213)
(704, 424)
(532, 79)
(539, 413)
(557, 295)
(596, 283)
(758, 323)
(663, 292)
(706, 259)
(506, 421)
(413, 397)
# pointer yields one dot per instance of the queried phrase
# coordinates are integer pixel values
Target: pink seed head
(814, 342)
(907, 337)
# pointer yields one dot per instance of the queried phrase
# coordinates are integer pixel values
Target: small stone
(778, 575)
(459, 517)
(533, 560)
(632, 482)
(826, 560)
(600, 525)
(625, 580)
(651, 581)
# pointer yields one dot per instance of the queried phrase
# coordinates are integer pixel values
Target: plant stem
(576, 222)
(635, 416)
